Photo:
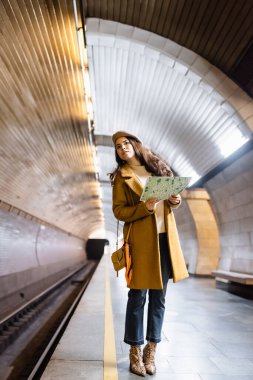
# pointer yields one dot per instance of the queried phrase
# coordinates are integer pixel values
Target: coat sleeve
(121, 209)
(171, 205)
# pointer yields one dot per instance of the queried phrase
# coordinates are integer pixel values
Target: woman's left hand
(175, 199)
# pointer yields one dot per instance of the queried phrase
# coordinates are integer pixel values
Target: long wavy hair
(152, 162)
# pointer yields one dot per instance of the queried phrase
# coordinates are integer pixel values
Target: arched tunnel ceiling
(179, 104)
(220, 31)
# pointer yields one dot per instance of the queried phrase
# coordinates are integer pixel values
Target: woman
(156, 252)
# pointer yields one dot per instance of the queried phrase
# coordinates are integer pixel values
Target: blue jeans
(156, 304)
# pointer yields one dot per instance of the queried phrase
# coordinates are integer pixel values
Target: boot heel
(149, 358)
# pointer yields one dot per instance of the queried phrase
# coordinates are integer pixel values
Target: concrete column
(207, 231)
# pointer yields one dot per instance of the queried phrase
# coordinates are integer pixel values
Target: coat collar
(131, 179)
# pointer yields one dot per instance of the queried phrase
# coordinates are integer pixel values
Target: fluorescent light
(85, 75)
(101, 193)
(86, 79)
(232, 141)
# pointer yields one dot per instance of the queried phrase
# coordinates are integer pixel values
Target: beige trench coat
(143, 235)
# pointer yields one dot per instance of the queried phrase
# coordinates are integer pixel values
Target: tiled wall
(31, 253)
(187, 235)
(231, 192)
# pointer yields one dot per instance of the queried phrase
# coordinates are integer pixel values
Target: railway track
(30, 334)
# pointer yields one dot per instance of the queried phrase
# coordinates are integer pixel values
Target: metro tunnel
(179, 75)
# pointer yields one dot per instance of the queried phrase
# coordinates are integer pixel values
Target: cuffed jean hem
(154, 340)
(139, 343)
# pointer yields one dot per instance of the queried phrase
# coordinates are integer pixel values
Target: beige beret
(119, 134)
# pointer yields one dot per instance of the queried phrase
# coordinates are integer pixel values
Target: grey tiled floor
(207, 333)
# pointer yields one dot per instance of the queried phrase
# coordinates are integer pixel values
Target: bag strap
(127, 236)
(128, 233)
(117, 241)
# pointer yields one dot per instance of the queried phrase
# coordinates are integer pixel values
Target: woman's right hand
(150, 203)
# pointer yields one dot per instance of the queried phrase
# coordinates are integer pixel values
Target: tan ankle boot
(149, 357)
(136, 363)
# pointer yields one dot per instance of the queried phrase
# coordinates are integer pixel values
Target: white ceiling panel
(172, 108)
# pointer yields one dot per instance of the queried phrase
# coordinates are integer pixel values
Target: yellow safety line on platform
(110, 360)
